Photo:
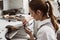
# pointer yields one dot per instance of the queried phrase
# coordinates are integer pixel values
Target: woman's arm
(31, 37)
(27, 30)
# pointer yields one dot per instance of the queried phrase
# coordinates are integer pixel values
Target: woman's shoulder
(46, 29)
(46, 32)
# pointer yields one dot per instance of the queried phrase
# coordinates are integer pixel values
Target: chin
(36, 19)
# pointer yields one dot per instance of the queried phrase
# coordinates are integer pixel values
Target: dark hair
(40, 5)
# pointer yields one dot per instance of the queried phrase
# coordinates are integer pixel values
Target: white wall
(1, 10)
(9, 4)
(25, 6)
(15, 3)
(5, 4)
(1, 0)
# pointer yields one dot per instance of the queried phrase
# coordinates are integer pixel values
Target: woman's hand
(24, 21)
(27, 30)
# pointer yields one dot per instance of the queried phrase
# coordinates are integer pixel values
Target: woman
(42, 10)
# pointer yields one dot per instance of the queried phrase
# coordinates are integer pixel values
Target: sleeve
(46, 34)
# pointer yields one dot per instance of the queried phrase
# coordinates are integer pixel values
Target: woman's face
(35, 15)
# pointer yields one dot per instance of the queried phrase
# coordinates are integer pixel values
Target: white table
(4, 23)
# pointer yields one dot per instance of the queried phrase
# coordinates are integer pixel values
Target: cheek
(32, 15)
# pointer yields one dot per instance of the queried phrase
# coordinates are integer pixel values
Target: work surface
(4, 23)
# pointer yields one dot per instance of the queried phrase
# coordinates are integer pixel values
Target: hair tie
(47, 5)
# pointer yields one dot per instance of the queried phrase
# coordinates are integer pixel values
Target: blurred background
(21, 7)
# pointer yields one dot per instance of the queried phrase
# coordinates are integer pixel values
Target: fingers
(27, 30)
(24, 21)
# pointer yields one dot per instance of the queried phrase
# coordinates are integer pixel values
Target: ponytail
(50, 13)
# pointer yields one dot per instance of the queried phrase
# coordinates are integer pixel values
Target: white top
(46, 32)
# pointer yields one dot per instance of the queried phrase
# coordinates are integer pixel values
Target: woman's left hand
(28, 31)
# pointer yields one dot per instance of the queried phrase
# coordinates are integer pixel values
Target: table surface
(4, 23)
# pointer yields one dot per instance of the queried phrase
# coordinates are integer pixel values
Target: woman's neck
(43, 18)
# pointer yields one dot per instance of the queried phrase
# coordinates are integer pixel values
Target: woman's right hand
(27, 30)
(24, 21)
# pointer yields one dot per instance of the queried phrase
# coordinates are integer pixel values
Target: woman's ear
(38, 12)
